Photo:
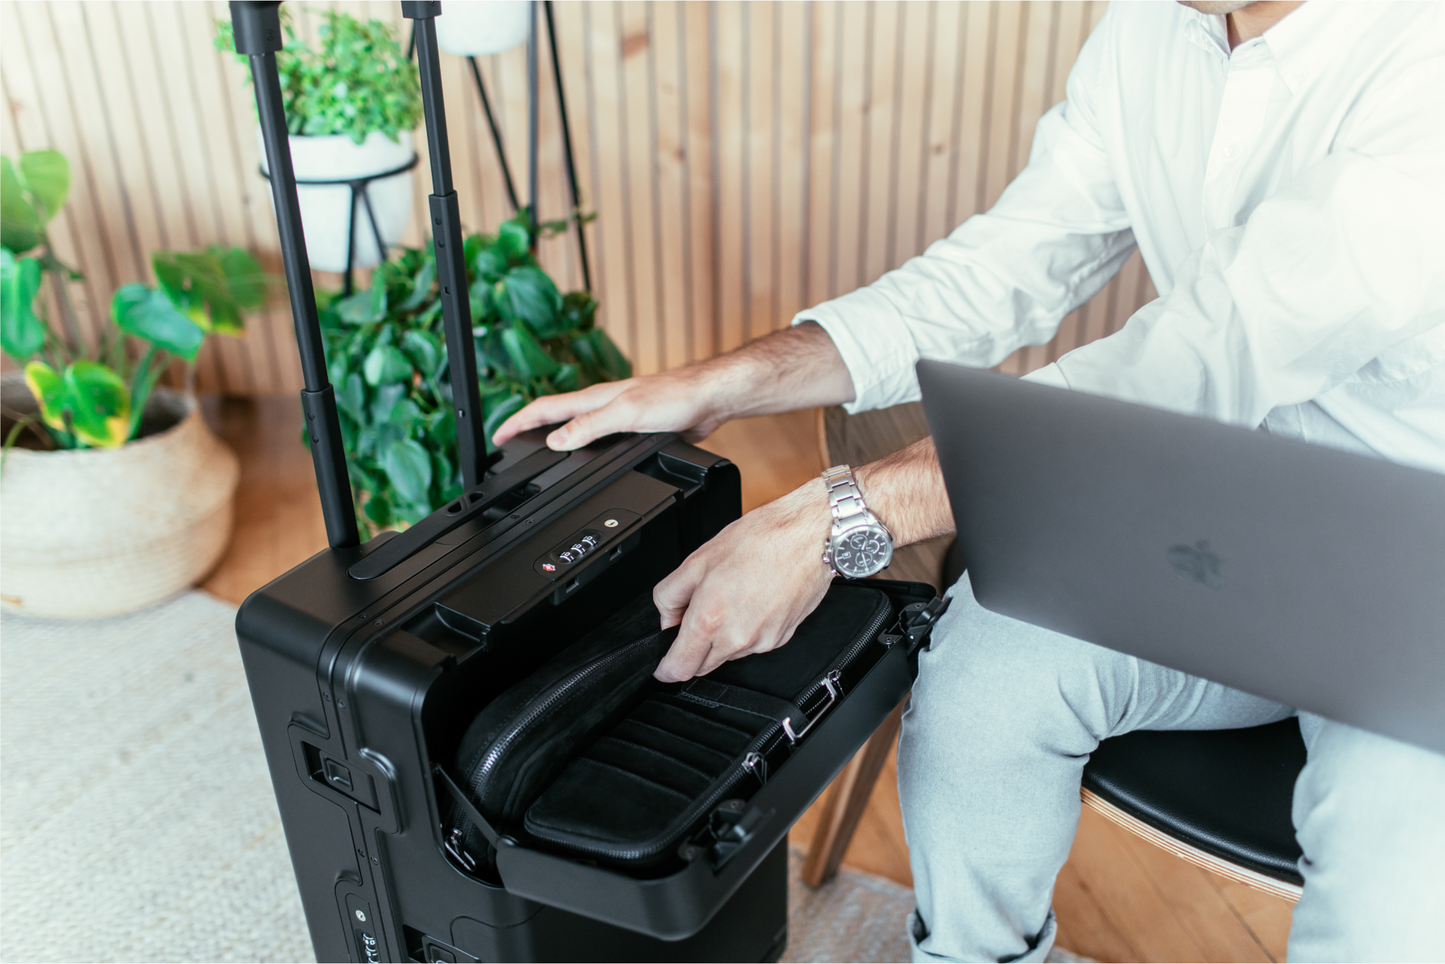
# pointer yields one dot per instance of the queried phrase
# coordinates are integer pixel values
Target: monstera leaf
(153, 315)
(22, 333)
(87, 399)
(31, 193)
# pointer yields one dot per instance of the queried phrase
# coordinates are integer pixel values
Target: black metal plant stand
(359, 186)
(576, 194)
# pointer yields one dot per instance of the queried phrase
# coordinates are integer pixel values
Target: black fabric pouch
(632, 796)
(527, 735)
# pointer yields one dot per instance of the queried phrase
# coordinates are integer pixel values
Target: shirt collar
(1303, 43)
(1316, 34)
(1206, 31)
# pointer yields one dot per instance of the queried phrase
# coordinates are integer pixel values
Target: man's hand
(686, 400)
(747, 590)
(783, 372)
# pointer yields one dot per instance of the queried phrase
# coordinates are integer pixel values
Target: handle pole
(257, 27)
(446, 227)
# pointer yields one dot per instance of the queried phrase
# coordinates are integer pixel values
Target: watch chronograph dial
(861, 553)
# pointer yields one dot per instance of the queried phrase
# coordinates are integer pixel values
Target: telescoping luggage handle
(257, 28)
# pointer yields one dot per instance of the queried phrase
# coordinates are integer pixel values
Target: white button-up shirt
(1288, 199)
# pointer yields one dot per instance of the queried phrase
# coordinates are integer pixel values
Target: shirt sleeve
(1339, 275)
(1005, 278)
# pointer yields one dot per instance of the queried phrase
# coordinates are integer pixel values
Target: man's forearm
(906, 491)
(788, 370)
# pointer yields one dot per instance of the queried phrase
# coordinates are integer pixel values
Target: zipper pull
(757, 765)
(456, 846)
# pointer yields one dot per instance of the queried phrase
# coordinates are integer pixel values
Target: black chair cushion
(1226, 792)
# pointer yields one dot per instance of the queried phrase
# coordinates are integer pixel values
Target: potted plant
(351, 104)
(114, 493)
(473, 28)
(386, 356)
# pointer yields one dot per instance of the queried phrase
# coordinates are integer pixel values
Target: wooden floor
(1118, 898)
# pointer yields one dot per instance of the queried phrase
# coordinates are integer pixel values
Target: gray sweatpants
(1004, 716)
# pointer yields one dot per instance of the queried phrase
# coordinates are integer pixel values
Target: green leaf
(566, 379)
(406, 415)
(492, 352)
(409, 468)
(496, 409)
(352, 397)
(421, 286)
(89, 399)
(385, 401)
(357, 309)
(151, 315)
(49, 390)
(384, 364)
(21, 227)
(514, 239)
(379, 298)
(614, 364)
(490, 264)
(444, 472)
(579, 309)
(425, 351)
(378, 510)
(245, 280)
(597, 352)
(198, 285)
(47, 178)
(534, 299)
(529, 358)
(22, 333)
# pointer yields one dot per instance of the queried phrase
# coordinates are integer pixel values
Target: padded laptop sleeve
(591, 756)
(632, 796)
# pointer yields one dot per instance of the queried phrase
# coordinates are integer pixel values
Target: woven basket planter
(99, 532)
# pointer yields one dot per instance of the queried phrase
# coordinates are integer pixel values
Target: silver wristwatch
(858, 545)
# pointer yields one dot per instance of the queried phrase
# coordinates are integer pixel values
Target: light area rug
(137, 821)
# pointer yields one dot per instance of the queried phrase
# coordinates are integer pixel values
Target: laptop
(1299, 573)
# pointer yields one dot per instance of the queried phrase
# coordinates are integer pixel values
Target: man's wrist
(905, 491)
(807, 514)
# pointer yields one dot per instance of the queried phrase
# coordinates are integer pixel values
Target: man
(1281, 167)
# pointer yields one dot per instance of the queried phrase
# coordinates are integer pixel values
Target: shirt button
(1230, 150)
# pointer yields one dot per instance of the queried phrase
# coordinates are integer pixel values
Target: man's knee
(1369, 820)
(994, 677)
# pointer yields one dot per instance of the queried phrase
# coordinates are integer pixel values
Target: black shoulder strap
(469, 808)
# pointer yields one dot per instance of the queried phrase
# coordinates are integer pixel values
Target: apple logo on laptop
(1197, 564)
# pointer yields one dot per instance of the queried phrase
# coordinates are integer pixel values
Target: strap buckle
(834, 685)
(918, 618)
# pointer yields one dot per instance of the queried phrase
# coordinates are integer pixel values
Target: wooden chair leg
(847, 799)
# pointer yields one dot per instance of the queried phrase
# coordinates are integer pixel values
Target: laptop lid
(1302, 574)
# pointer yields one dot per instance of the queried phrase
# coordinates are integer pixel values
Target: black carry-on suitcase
(470, 757)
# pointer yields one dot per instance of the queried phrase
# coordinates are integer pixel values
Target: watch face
(862, 552)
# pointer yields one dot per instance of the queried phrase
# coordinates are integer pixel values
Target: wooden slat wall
(746, 160)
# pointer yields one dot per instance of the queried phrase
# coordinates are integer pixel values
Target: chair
(1220, 799)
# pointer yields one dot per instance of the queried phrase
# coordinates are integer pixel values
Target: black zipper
(884, 613)
(559, 690)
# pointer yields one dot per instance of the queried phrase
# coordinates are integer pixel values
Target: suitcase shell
(362, 688)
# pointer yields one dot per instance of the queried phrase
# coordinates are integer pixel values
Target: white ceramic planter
(472, 28)
(324, 207)
(99, 532)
